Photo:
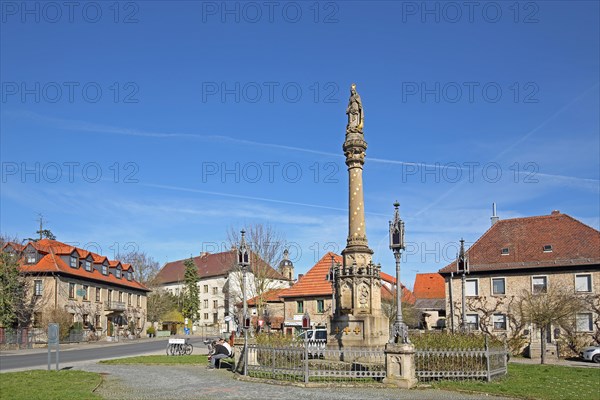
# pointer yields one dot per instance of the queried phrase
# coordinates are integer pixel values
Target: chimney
(204, 254)
(300, 276)
(494, 218)
(555, 212)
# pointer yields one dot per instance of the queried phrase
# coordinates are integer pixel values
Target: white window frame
(590, 322)
(589, 275)
(38, 287)
(118, 272)
(549, 249)
(476, 280)
(502, 253)
(86, 290)
(492, 286)
(468, 324)
(539, 276)
(104, 269)
(88, 265)
(504, 321)
(31, 258)
(73, 262)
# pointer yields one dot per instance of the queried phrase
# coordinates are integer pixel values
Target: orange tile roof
(573, 243)
(314, 282)
(429, 286)
(52, 263)
(270, 296)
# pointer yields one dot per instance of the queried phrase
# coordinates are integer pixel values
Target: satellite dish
(227, 318)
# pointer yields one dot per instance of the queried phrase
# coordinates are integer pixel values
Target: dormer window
(104, 269)
(129, 275)
(88, 266)
(548, 248)
(31, 259)
(505, 251)
(118, 273)
(73, 262)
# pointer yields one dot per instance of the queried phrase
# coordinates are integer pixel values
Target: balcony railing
(114, 306)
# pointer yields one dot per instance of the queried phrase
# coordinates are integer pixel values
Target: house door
(548, 333)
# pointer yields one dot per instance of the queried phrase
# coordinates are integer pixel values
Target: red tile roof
(214, 265)
(429, 286)
(573, 243)
(270, 296)
(314, 282)
(52, 263)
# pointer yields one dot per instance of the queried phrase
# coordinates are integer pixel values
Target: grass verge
(40, 384)
(547, 382)
(160, 360)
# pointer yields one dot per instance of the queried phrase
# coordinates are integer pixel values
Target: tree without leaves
(160, 302)
(409, 312)
(266, 247)
(191, 292)
(145, 267)
(557, 306)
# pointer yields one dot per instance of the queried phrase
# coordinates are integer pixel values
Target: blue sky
(160, 125)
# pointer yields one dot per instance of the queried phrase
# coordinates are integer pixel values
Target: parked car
(316, 340)
(591, 353)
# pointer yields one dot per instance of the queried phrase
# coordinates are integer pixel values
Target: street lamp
(399, 329)
(243, 263)
(462, 267)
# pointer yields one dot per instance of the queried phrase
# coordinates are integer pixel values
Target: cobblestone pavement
(129, 382)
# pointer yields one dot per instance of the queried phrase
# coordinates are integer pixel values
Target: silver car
(591, 353)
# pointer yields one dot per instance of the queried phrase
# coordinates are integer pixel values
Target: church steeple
(286, 267)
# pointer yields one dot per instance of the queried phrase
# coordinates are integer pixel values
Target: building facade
(522, 256)
(99, 293)
(220, 286)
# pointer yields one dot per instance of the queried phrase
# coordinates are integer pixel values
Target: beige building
(99, 293)
(527, 255)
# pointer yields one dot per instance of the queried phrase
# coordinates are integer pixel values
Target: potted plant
(151, 331)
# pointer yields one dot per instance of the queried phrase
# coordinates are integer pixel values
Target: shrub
(151, 330)
(452, 341)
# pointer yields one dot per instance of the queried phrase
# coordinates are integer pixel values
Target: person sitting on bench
(222, 350)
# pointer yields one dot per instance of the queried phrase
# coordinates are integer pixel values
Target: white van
(316, 340)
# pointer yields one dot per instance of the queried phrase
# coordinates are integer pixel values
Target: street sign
(53, 339)
(52, 333)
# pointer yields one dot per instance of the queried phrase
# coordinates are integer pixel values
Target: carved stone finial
(355, 112)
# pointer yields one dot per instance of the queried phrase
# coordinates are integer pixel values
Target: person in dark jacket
(220, 351)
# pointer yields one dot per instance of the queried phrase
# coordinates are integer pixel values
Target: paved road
(69, 354)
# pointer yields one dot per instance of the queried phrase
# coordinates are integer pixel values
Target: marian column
(358, 320)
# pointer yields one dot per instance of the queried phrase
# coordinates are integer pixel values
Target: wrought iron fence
(299, 363)
(313, 363)
(487, 363)
(28, 338)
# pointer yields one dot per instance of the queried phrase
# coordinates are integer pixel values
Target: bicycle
(179, 347)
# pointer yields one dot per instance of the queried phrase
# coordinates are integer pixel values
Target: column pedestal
(400, 365)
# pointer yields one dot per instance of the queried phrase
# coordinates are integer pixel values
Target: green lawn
(160, 359)
(548, 382)
(40, 384)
